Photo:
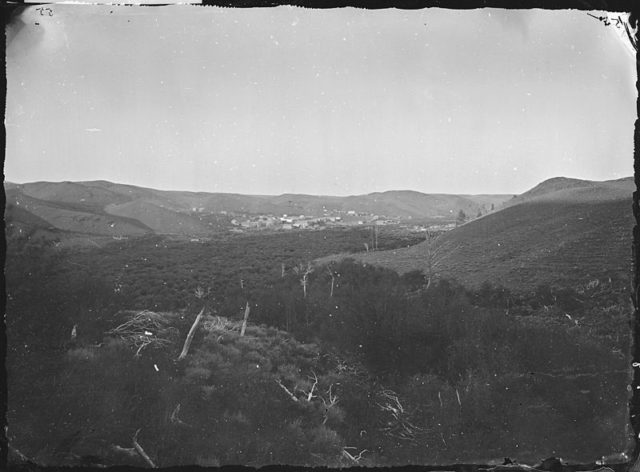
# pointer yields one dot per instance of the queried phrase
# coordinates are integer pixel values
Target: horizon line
(310, 194)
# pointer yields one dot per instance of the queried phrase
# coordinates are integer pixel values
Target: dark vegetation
(160, 273)
(347, 365)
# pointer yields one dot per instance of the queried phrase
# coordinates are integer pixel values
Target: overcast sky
(345, 101)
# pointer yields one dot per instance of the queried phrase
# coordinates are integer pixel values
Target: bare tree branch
(140, 451)
(129, 452)
(175, 419)
(355, 459)
(143, 329)
(333, 399)
(400, 427)
(291, 395)
(310, 394)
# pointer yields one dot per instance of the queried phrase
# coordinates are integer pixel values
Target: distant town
(244, 222)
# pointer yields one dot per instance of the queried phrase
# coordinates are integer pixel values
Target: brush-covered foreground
(340, 365)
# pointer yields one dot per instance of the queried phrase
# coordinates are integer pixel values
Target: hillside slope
(160, 220)
(109, 209)
(564, 234)
(575, 190)
(68, 216)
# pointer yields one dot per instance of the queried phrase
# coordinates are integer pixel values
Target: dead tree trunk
(375, 231)
(373, 238)
(192, 332)
(374, 227)
(140, 451)
(304, 271)
(246, 317)
(333, 280)
(304, 282)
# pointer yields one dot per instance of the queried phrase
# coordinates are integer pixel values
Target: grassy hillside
(575, 190)
(90, 207)
(416, 204)
(557, 235)
(68, 216)
(160, 220)
(72, 193)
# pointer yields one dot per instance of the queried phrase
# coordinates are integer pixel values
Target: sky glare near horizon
(332, 102)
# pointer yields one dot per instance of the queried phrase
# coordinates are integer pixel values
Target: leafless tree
(434, 256)
(329, 403)
(307, 395)
(304, 272)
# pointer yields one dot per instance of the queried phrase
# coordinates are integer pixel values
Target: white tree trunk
(140, 451)
(246, 317)
(192, 332)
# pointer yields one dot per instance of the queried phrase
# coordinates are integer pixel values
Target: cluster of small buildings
(241, 223)
(285, 222)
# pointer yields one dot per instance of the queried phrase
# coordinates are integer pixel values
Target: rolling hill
(107, 209)
(575, 190)
(65, 215)
(561, 231)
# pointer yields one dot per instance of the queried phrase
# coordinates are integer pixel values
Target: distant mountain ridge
(103, 208)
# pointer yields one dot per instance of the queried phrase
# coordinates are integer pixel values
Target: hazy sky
(344, 101)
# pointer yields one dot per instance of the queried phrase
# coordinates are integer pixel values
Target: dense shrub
(418, 374)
